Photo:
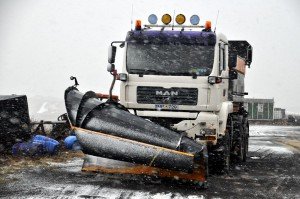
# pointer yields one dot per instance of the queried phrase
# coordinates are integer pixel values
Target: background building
(279, 113)
(259, 109)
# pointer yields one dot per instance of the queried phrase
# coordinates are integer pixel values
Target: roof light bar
(171, 26)
(180, 20)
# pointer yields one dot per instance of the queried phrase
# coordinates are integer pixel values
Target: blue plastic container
(72, 143)
(69, 141)
(76, 146)
(28, 149)
(50, 145)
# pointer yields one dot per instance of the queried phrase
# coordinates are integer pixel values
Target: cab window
(222, 58)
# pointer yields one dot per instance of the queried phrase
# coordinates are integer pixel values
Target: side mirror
(249, 56)
(112, 54)
(233, 74)
(110, 67)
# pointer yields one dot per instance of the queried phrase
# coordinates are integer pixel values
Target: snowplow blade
(108, 130)
(108, 146)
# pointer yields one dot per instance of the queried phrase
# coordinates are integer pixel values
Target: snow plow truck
(180, 108)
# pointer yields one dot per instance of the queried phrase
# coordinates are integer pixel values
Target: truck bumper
(204, 128)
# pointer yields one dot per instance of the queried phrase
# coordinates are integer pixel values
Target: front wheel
(226, 153)
(219, 158)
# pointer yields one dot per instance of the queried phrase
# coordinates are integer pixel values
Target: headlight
(123, 77)
(214, 80)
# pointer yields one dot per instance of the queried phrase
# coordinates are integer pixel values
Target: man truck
(180, 107)
(190, 81)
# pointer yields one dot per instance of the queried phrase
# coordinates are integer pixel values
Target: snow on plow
(128, 144)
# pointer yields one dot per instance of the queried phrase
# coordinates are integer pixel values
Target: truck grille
(160, 95)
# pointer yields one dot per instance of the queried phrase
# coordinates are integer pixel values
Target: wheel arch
(226, 109)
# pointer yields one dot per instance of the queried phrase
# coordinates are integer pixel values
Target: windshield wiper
(194, 75)
(144, 71)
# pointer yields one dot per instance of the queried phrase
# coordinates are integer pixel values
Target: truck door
(223, 72)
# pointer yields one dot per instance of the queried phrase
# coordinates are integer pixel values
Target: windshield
(170, 59)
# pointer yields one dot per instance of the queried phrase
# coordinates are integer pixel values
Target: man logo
(167, 93)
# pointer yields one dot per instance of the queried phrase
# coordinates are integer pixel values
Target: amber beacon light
(180, 19)
(166, 19)
(207, 25)
(138, 24)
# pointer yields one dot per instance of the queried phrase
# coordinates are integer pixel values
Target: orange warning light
(207, 25)
(138, 24)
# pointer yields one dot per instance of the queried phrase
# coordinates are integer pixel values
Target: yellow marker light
(166, 19)
(180, 19)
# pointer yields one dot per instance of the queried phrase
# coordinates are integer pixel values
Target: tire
(219, 156)
(240, 140)
(246, 143)
(226, 154)
(241, 153)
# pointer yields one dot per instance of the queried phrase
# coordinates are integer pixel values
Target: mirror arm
(117, 42)
(114, 74)
(75, 80)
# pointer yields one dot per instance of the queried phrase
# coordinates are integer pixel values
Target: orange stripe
(198, 174)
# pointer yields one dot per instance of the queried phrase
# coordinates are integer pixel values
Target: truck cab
(186, 78)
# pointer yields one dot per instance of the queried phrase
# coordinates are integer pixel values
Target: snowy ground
(272, 171)
(263, 139)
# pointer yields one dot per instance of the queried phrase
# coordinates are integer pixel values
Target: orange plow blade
(109, 166)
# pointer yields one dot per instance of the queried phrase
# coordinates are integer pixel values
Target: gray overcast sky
(43, 42)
